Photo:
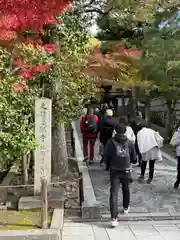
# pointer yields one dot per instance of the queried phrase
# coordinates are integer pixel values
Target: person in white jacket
(148, 147)
(129, 132)
(175, 142)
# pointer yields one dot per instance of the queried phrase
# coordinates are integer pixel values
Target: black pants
(104, 142)
(178, 169)
(138, 152)
(139, 158)
(151, 168)
(116, 178)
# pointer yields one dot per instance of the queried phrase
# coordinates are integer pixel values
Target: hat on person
(109, 113)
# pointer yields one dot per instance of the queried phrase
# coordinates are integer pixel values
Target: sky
(93, 29)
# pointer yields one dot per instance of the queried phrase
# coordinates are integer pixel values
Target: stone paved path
(134, 231)
(160, 196)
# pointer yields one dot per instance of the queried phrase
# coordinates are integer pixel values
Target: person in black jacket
(107, 127)
(136, 127)
(119, 153)
(104, 108)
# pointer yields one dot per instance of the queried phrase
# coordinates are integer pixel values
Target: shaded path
(160, 196)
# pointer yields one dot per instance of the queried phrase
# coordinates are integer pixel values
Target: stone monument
(42, 165)
(43, 115)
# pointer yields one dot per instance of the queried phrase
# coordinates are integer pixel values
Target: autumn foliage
(17, 16)
(120, 62)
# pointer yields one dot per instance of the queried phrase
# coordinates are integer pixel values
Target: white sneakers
(126, 210)
(115, 221)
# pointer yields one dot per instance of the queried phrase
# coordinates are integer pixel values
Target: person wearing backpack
(89, 127)
(129, 132)
(175, 142)
(119, 153)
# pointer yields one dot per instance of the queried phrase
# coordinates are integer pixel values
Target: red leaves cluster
(19, 15)
(27, 71)
(117, 62)
(50, 48)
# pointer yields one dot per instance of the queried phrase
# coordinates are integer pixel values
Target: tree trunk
(59, 147)
(59, 150)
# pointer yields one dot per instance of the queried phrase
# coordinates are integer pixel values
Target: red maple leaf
(19, 15)
(42, 68)
(50, 48)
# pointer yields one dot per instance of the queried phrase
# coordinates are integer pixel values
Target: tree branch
(97, 10)
(93, 6)
(90, 3)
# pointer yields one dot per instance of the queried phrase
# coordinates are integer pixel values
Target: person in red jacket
(89, 127)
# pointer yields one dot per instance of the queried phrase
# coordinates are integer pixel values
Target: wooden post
(134, 101)
(81, 197)
(44, 204)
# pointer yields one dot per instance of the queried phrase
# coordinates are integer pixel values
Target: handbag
(173, 139)
(159, 139)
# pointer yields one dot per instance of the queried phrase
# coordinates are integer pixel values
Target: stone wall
(159, 105)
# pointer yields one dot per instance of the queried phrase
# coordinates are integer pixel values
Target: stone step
(132, 217)
(72, 212)
(157, 216)
(34, 202)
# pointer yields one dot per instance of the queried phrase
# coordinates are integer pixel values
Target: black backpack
(122, 156)
(90, 124)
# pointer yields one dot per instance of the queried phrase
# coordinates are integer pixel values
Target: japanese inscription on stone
(43, 113)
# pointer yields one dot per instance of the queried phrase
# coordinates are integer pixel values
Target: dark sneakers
(101, 161)
(91, 162)
(141, 179)
(85, 160)
(176, 184)
(149, 181)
